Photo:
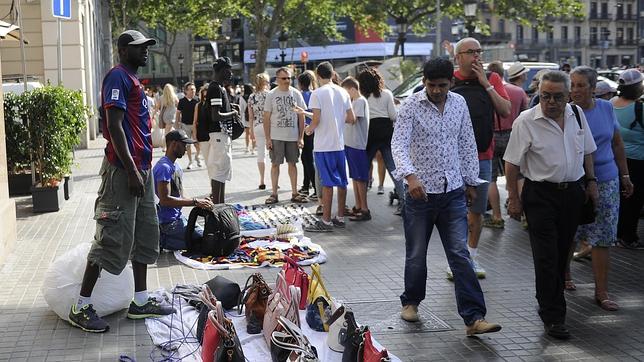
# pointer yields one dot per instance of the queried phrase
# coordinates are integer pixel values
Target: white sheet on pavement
(255, 348)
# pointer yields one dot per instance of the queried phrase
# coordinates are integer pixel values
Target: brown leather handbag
(254, 299)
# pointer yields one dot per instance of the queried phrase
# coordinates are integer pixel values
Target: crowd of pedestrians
(444, 147)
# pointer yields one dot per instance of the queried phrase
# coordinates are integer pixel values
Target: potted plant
(17, 142)
(56, 118)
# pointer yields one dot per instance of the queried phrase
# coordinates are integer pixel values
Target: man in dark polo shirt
(186, 115)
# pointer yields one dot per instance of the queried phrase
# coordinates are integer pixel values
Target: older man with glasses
(551, 145)
(486, 98)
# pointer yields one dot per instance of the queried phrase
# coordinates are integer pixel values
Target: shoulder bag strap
(576, 111)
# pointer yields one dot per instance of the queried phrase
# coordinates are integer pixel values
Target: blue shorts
(485, 173)
(332, 168)
(358, 163)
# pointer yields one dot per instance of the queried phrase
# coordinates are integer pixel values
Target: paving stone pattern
(365, 264)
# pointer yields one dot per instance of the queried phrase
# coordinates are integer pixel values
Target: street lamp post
(470, 7)
(401, 24)
(181, 58)
(283, 41)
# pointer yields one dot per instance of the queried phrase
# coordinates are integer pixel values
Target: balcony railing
(600, 16)
(625, 42)
(496, 37)
(626, 17)
(546, 43)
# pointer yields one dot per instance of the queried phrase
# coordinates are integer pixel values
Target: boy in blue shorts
(355, 149)
(331, 107)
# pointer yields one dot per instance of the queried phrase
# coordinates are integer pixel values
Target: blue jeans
(448, 212)
(173, 234)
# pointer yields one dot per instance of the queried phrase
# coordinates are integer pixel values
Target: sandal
(607, 304)
(583, 253)
(570, 285)
(352, 211)
(361, 216)
(262, 187)
(271, 200)
(299, 199)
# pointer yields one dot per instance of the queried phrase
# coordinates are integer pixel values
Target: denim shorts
(126, 226)
(479, 206)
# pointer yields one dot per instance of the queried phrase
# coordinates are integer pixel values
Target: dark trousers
(553, 214)
(307, 162)
(629, 208)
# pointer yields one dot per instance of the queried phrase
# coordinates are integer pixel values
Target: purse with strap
(230, 349)
(588, 212)
(317, 287)
(283, 302)
(370, 353)
(296, 275)
(337, 324)
(212, 333)
(352, 338)
(253, 300)
(292, 339)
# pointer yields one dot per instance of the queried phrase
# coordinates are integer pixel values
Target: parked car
(415, 81)
(612, 74)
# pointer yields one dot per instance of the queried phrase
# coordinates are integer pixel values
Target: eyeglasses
(557, 97)
(284, 78)
(472, 51)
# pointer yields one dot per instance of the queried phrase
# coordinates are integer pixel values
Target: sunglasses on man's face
(284, 78)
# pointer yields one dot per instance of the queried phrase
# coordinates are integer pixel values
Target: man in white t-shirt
(284, 129)
(331, 107)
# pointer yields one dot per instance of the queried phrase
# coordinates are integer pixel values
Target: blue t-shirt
(633, 137)
(122, 89)
(167, 171)
(603, 125)
(307, 95)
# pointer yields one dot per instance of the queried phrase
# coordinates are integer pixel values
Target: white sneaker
(478, 270)
(198, 163)
(381, 190)
(189, 165)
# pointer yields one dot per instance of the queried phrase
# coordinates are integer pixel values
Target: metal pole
(23, 58)
(437, 45)
(60, 52)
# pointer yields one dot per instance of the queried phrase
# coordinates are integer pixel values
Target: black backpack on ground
(220, 234)
(481, 110)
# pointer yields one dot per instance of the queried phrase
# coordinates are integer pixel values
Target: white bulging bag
(62, 283)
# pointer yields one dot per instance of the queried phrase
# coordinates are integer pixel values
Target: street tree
(420, 15)
(302, 19)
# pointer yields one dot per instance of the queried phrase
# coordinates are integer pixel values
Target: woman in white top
(382, 114)
(168, 108)
(255, 119)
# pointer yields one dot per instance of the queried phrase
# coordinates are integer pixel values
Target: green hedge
(56, 117)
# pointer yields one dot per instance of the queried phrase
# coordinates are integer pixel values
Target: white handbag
(291, 338)
(337, 323)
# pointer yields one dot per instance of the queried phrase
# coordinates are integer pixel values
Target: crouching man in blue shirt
(168, 186)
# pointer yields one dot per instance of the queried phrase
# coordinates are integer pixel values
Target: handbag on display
(352, 338)
(212, 333)
(281, 303)
(292, 339)
(316, 287)
(296, 275)
(230, 349)
(370, 353)
(337, 324)
(225, 290)
(207, 303)
(318, 314)
(254, 299)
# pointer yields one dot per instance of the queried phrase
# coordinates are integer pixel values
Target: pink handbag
(284, 301)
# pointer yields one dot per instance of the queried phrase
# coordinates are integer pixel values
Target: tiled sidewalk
(365, 263)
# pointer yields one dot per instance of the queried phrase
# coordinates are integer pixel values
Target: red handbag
(369, 351)
(212, 334)
(296, 276)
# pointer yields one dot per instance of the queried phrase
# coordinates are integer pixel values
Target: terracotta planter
(47, 199)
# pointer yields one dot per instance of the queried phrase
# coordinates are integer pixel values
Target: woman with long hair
(244, 112)
(256, 122)
(200, 129)
(382, 114)
(168, 108)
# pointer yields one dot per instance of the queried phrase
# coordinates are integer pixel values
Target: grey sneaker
(151, 309)
(319, 227)
(478, 270)
(87, 319)
(339, 223)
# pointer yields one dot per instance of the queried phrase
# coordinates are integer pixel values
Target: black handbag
(230, 349)
(352, 338)
(225, 290)
(587, 213)
(236, 123)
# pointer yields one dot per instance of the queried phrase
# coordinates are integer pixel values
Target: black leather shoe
(558, 331)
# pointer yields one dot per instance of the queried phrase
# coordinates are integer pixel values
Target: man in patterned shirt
(435, 152)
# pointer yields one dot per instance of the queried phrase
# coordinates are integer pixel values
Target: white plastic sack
(62, 283)
(158, 135)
